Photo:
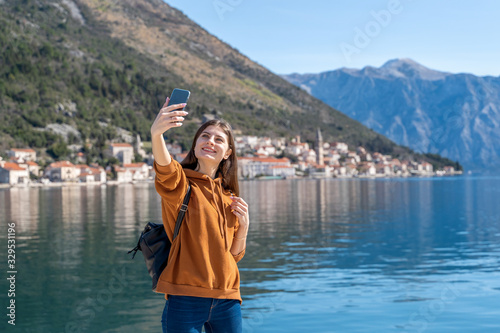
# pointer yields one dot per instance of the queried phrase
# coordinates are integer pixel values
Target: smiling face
(212, 146)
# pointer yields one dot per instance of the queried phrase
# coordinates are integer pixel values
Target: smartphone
(179, 96)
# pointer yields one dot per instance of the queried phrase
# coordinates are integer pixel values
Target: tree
(58, 150)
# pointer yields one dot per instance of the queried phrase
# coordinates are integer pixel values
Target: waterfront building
(251, 167)
(13, 174)
(62, 171)
(139, 171)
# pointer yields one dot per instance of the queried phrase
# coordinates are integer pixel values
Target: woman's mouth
(209, 150)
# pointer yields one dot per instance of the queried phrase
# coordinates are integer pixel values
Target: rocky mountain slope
(103, 66)
(454, 115)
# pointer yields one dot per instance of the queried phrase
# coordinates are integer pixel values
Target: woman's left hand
(240, 209)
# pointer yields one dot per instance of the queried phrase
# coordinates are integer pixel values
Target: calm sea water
(393, 255)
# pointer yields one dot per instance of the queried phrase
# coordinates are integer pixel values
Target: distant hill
(454, 115)
(75, 72)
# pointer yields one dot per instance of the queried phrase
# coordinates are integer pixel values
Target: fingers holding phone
(172, 113)
(167, 118)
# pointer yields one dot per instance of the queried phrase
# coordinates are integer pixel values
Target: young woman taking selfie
(201, 282)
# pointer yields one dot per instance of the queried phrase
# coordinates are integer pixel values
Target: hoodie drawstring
(222, 218)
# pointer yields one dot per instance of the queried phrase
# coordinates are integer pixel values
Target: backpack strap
(182, 212)
(178, 222)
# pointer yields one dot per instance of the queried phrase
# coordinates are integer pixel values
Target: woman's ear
(228, 153)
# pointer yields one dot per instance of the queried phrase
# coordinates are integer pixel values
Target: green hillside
(99, 66)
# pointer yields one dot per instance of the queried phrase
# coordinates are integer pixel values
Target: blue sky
(312, 36)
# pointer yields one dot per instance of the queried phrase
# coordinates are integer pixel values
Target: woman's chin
(208, 157)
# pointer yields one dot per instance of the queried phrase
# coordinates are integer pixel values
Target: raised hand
(168, 118)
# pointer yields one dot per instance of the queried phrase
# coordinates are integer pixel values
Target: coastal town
(258, 158)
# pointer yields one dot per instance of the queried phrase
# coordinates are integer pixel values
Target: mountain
(80, 72)
(454, 115)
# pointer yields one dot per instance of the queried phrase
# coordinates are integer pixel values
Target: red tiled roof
(134, 165)
(84, 174)
(12, 167)
(119, 169)
(281, 167)
(26, 150)
(266, 159)
(62, 164)
(96, 170)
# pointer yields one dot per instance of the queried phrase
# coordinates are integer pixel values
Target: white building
(427, 168)
(283, 171)
(449, 170)
(174, 149)
(321, 171)
(341, 147)
(31, 166)
(89, 174)
(367, 169)
(339, 171)
(296, 148)
(266, 150)
(334, 157)
(384, 170)
(24, 154)
(309, 156)
(279, 143)
(62, 171)
(354, 156)
(123, 175)
(13, 174)
(351, 170)
(139, 171)
(245, 143)
(124, 152)
(250, 167)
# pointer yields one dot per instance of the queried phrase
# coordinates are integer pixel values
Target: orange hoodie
(200, 261)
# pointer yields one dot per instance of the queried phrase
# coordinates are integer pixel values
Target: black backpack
(155, 245)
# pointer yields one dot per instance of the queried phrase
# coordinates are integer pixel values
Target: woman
(201, 281)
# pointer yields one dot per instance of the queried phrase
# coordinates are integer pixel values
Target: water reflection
(346, 240)
(399, 221)
(321, 254)
(21, 204)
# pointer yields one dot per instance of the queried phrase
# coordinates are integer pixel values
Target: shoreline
(73, 184)
(116, 183)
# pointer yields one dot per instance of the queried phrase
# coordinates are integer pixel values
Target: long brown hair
(228, 168)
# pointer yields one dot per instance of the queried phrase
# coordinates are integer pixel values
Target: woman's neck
(209, 170)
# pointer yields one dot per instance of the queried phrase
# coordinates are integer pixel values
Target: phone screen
(179, 96)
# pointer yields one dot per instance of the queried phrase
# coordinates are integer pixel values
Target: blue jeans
(187, 314)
